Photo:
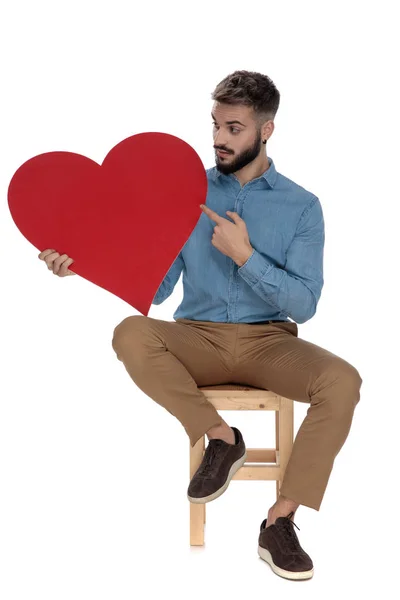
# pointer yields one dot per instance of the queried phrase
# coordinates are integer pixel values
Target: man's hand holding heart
(232, 239)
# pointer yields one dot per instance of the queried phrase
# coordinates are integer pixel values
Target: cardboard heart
(123, 222)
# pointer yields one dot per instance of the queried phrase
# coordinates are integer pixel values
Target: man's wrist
(243, 257)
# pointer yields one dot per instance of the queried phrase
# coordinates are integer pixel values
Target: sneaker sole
(266, 555)
(235, 467)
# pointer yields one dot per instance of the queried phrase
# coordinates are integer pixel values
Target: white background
(93, 473)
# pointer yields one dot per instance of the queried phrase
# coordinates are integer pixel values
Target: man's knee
(350, 381)
(351, 375)
(340, 383)
(125, 330)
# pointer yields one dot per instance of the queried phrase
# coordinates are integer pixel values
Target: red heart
(123, 222)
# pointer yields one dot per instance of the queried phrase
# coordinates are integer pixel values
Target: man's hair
(251, 89)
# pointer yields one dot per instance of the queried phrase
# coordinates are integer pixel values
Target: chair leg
(278, 482)
(197, 511)
(285, 436)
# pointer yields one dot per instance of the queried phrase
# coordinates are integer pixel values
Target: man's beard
(242, 160)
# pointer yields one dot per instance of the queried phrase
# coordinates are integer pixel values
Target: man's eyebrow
(230, 122)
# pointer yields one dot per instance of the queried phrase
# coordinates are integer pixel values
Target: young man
(254, 260)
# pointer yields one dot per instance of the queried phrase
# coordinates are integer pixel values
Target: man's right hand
(56, 263)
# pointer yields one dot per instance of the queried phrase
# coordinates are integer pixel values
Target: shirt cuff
(254, 268)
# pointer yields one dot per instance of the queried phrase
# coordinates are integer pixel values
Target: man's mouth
(222, 153)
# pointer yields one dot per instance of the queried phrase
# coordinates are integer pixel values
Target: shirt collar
(269, 175)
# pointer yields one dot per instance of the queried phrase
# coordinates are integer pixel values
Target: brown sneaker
(220, 462)
(279, 546)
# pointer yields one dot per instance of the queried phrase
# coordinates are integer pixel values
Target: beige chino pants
(169, 360)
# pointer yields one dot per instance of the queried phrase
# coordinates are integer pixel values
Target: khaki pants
(168, 360)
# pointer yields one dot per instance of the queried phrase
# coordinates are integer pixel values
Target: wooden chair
(240, 397)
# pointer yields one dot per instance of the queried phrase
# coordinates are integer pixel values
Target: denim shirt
(283, 277)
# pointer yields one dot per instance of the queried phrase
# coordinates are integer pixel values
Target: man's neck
(252, 171)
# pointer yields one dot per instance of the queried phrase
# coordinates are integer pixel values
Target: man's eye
(237, 130)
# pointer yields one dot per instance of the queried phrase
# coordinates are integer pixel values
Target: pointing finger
(212, 214)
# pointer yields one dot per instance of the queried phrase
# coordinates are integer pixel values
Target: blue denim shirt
(283, 277)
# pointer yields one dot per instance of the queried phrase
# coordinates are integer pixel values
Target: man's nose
(219, 141)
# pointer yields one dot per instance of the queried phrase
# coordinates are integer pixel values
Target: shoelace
(289, 534)
(209, 455)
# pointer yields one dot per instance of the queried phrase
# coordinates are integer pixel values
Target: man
(254, 260)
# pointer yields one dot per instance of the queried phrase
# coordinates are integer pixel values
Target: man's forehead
(230, 111)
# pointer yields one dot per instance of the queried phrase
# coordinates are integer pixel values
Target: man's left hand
(232, 239)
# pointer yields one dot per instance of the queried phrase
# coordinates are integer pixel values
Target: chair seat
(231, 386)
(231, 396)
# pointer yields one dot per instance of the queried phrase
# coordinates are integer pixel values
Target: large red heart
(123, 222)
